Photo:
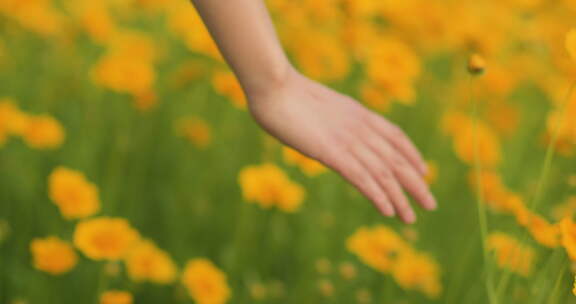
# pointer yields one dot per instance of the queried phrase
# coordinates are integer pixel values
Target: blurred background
(131, 171)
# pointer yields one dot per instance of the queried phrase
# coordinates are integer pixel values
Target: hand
(367, 150)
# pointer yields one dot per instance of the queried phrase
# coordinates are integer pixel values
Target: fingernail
(425, 169)
(432, 205)
(410, 218)
(389, 212)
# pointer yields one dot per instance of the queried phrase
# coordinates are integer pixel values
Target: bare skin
(367, 150)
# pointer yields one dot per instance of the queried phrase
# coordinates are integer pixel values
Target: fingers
(413, 182)
(386, 179)
(357, 175)
(399, 141)
(403, 170)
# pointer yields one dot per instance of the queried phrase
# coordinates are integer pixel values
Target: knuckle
(399, 162)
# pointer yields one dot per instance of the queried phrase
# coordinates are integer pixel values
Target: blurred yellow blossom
(53, 255)
(12, 120)
(124, 73)
(146, 262)
(571, 43)
(116, 297)
(418, 271)
(267, 185)
(43, 132)
(205, 283)
(568, 233)
(226, 84)
(326, 287)
(95, 18)
(105, 238)
(470, 134)
(390, 54)
(377, 247)
(196, 130)
(476, 64)
(75, 196)
(511, 254)
(347, 271)
(309, 166)
(39, 16)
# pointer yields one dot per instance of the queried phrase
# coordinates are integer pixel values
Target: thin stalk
(482, 217)
(550, 149)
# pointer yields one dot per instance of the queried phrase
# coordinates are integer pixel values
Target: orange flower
(267, 186)
(72, 193)
(146, 262)
(542, 231)
(481, 137)
(205, 283)
(116, 297)
(105, 238)
(12, 120)
(476, 64)
(226, 84)
(377, 247)
(196, 130)
(571, 43)
(568, 234)
(418, 271)
(124, 73)
(309, 166)
(511, 254)
(43, 132)
(53, 255)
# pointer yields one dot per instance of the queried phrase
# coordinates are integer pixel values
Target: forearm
(245, 35)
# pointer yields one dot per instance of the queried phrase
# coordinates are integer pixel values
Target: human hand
(367, 150)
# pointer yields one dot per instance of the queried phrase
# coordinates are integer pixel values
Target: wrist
(269, 80)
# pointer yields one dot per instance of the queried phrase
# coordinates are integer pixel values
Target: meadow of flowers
(131, 171)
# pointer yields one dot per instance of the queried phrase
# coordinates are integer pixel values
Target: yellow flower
(269, 186)
(571, 43)
(468, 135)
(146, 262)
(12, 120)
(205, 283)
(182, 18)
(226, 84)
(196, 130)
(72, 193)
(53, 255)
(327, 61)
(377, 247)
(476, 64)
(39, 16)
(542, 231)
(568, 234)
(418, 271)
(387, 55)
(375, 97)
(43, 132)
(105, 238)
(347, 271)
(95, 19)
(116, 297)
(432, 175)
(308, 165)
(124, 73)
(511, 254)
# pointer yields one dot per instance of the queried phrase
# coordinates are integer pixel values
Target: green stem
(553, 297)
(551, 149)
(482, 217)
